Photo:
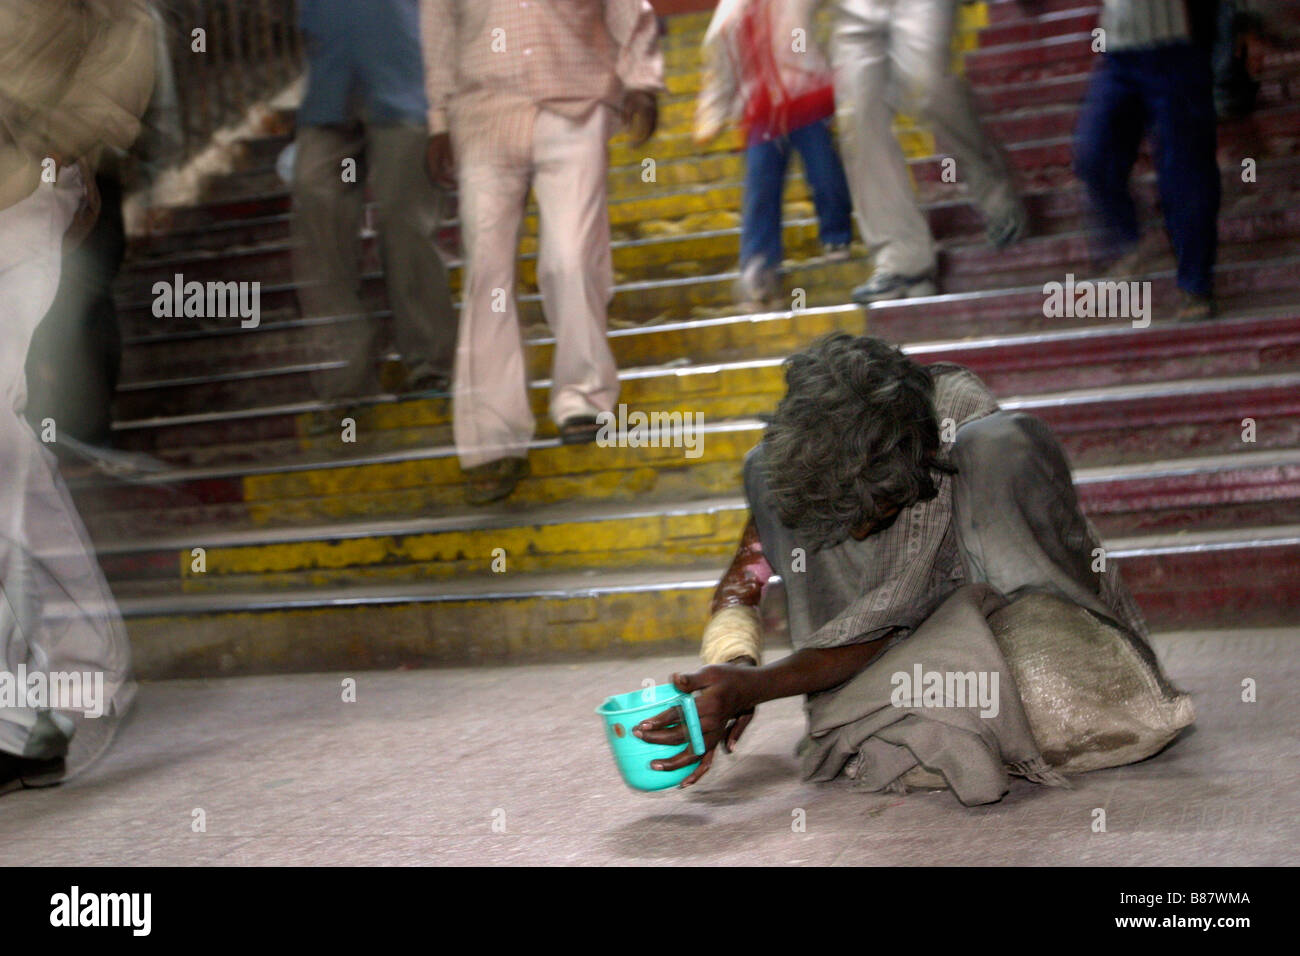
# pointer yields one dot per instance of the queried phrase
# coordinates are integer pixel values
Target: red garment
(772, 111)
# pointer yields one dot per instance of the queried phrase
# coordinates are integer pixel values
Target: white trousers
(567, 168)
(57, 615)
(895, 56)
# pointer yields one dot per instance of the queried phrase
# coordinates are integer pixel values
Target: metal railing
(251, 50)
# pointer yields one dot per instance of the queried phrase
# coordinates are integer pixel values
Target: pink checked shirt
(490, 65)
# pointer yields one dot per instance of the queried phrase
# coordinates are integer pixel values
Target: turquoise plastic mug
(632, 754)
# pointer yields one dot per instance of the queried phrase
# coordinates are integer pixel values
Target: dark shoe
(891, 285)
(498, 479)
(1191, 307)
(579, 430)
(26, 773)
(432, 384)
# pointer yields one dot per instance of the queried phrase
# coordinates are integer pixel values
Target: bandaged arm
(734, 633)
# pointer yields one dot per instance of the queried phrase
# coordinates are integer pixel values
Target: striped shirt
(490, 65)
(1142, 24)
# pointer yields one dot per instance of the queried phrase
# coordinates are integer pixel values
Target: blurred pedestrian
(528, 93)
(763, 68)
(891, 56)
(74, 80)
(76, 352)
(1235, 90)
(1154, 77)
(362, 121)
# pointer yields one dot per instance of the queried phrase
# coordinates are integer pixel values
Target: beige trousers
(895, 55)
(326, 222)
(57, 616)
(566, 168)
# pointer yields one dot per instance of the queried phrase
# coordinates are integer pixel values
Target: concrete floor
(417, 770)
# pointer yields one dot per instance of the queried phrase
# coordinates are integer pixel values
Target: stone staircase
(324, 554)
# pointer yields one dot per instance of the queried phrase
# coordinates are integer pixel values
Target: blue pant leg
(1111, 126)
(760, 227)
(830, 188)
(1179, 95)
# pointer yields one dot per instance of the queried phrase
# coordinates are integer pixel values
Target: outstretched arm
(727, 693)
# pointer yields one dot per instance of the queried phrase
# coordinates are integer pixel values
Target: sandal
(579, 430)
(485, 484)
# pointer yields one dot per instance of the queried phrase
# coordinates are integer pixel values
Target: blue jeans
(765, 165)
(1168, 91)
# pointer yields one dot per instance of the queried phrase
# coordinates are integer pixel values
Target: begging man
(929, 544)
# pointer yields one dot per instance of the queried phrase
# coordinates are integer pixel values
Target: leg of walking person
(760, 222)
(920, 52)
(410, 206)
(761, 246)
(492, 417)
(1179, 97)
(574, 270)
(76, 351)
(56, 612)
(889, 220)
(327, 209)
(1112, 123)
(830, 189)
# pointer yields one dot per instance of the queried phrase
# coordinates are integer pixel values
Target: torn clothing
(1005, 526)
(860, 729)
(1009, 518)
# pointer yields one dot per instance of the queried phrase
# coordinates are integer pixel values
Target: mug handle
(692, 718)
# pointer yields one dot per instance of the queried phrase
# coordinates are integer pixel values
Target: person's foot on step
(579, 430)
(1190, 307)
(758, 286)
(495, 480)
(836, 251)
(423, 380)
(886, 285)
(1007, 228)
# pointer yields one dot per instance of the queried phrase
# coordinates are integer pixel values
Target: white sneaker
(892, 285)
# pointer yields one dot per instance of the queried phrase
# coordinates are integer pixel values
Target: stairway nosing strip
(1113, 392)
(634, 373)
(703, 578)
(395, 456)
(1172, 467)
(270, 600)
(450, 524)
(291, 284)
